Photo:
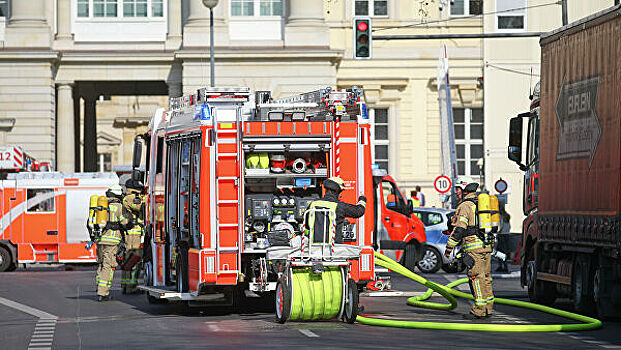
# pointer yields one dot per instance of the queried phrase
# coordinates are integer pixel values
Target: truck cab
(399, 234)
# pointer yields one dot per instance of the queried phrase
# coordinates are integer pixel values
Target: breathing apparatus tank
(495, 213)
(485, 216)
(92, 212)
(102, 211)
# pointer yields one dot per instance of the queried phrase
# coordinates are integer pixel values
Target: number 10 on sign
(442, 184)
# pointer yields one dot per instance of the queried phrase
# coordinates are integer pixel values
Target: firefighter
(467, 233)
(108, 243)
(132, 210)
(334, 186)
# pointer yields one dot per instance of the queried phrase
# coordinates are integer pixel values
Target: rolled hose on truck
(449, 294)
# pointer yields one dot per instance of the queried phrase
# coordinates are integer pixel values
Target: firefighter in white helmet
(108, 243)
(475, 254)
(334, 186)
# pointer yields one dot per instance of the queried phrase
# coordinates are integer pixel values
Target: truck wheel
(181, 267)
(409, 257)
(283, 300)
(6, 262)
(539, 292)
(581, 286)
(351, 303)
(431, 261)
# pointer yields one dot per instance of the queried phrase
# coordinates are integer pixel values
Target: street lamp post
(210, 4)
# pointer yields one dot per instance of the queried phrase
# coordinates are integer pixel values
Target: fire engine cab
(229, 173)
(44, 217)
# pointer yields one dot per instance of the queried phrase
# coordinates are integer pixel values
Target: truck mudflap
(172, 295)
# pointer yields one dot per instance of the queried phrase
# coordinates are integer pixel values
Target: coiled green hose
(449, 293)
(316, 296)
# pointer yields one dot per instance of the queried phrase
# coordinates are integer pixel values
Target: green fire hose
(316, 296)
(449, 293)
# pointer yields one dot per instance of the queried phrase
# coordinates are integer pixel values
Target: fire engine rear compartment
(226, 190)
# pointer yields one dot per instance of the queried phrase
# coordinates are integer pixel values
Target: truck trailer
(230, 173)
(571, 240)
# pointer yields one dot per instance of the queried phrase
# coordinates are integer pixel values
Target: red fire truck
(227, 170)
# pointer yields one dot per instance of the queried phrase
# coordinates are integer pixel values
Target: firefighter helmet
(335, 184)
(115, 191)
(467, 184)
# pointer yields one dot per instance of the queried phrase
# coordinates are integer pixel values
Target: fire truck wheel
(283, 300)
(6, 262)
(409, 256)
(182, 271)
(352, 302)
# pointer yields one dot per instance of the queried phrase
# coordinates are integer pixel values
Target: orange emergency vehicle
(44, 217)
(228, 172)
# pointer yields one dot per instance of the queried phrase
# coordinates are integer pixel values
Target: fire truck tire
(283, 300)
(181, 268)
(6, 260)
(352, 302)
(409, 256)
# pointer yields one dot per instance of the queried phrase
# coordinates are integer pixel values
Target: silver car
(436, 222)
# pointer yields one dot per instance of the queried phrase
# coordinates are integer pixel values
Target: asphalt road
(53, 308)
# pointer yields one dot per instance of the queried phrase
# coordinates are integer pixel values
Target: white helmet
(466, 184)
(115, 190)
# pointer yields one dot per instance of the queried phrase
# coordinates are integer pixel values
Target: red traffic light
(363, 26)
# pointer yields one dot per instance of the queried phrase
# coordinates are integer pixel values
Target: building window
(83, 6)
(104, 8)
(242, 7)
(253, 7)
(157, 8)
(134, 8)
(379, 136)
(120, 8)
(466, 7)
(375, 8)
(271, 8)
(39, 200)
(104, 162)
(468, 123)
(510, 15)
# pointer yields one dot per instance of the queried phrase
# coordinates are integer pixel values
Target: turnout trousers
(481, 284)
(129, 278)
(106, 259)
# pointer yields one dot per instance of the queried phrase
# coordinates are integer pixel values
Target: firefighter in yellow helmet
(475, 253)
(132, 210)
(334, 186)
(108, 243)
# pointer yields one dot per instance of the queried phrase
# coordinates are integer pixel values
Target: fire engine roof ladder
(227, 172)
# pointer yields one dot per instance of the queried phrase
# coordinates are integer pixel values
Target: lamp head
(210, 3)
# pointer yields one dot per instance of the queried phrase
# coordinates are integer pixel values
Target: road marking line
(45, 324)
(214, 328)
(612, 346)
(308, 333)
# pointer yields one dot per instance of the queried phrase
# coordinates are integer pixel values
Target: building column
(306, 24)
(28, 26)
(174, 38)
(64, 37)
(174, 89)
(196, 30)
(65, 130)
(90, 133)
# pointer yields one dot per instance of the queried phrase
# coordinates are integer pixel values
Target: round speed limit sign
(442, 184)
